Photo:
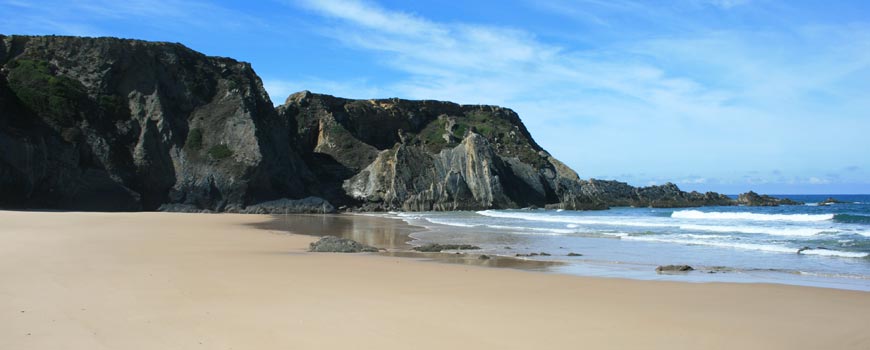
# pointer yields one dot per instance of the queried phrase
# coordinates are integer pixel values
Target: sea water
(816, 245)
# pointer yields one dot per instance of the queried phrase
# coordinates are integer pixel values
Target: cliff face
(428, 155)
(110, 124)
(424, 155)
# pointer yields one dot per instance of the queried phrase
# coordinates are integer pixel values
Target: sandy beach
(203, 281)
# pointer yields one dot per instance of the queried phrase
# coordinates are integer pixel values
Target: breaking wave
(697, 214)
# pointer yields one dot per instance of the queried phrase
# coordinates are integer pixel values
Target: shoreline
(170, 280)
(602, 256)
(394, 237)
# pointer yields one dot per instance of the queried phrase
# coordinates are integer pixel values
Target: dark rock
(674, 268)
(752, 199)
(182, 208)
(831, 200)
(575, 254)
(309, 205)
(332, 244)
(484, 257)
(113, 124)
(544, 254)
(436, 247)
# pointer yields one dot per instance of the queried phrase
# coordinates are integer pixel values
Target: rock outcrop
(309, 205)
(114, 124)
(332, 244)
(394, 154)
(752, 199)
(674, 268)
(830, 200)
(436, 247)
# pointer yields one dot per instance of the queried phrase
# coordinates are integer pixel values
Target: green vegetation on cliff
(220, 152)
(194, 139)
(55, 97)
(499, 131)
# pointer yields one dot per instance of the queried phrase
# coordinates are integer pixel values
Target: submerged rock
(436, 247)
(332, 244)
(575, 254)
(674, 268)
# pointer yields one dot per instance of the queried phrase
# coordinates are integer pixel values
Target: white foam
(697, 214)
(828, 252)
(572, 226)
(536, 230)
(449, 223)
(599, 220)
(775, 231)
(717, 241)
(747, 246)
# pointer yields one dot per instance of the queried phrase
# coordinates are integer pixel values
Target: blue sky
(724, 95)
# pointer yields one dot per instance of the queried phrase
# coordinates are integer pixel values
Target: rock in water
(435, 247)
(332, 244)
(830, 200)
(674, 268)
(752, 199)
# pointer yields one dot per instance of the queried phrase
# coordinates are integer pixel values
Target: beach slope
(196, 281)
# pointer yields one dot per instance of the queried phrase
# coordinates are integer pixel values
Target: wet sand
(197, 281)
(367, 229)
(393, 235)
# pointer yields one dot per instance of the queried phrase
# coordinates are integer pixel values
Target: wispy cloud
(716, 88)
(78, 17)
(752, 91)
(727, 4)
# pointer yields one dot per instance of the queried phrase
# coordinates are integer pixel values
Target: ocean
(814, 245)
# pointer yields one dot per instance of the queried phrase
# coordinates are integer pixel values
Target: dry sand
(195, 281)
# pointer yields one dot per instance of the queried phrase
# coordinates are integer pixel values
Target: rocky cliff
(395, 154)
(113, 124)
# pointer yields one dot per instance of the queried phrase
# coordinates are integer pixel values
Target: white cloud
(79, 17)
(741, 95)
(694, 181)
(727, 4)
(818, 181)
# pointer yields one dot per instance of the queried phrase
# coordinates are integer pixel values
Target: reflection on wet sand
(370, 230)
(391, 234)
(474, 259)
